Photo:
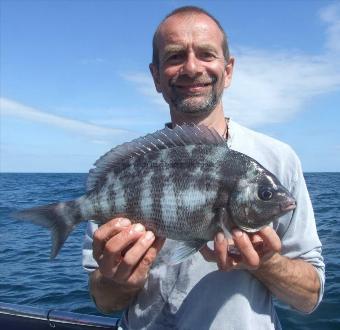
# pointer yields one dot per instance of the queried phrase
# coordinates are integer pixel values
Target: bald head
(187, 12)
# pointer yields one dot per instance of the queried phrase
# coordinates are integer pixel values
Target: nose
(192, 66)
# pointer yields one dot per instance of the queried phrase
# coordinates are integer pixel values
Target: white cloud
(331, 16)
(18, 110)
(144, 84)
(271, 87)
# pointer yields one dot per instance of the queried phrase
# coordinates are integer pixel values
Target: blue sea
(27, 276)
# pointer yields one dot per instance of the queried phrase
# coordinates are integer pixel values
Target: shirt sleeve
(89, 263)
(300, 238)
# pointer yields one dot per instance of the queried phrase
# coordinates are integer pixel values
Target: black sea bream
(183, 183)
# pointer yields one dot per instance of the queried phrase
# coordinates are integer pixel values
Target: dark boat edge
(23, 317)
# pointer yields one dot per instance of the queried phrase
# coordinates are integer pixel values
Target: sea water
(28, 276)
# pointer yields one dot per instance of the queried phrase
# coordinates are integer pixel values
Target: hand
(125, 252)
(244, 250)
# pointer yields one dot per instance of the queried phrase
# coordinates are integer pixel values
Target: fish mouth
(288, 206)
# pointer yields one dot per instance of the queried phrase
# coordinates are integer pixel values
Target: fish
(184, 184)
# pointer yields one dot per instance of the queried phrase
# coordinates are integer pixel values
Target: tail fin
(60, 218)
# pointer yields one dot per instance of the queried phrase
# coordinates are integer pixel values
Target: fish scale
(182, 183)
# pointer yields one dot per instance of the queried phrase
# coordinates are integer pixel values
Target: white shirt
(194, 294)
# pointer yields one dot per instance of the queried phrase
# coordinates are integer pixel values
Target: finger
(141, 272)
(271, 239)
(255, 238)
(258, 243)
(157, 245)
(248, 253)
(207, 253)
(221, 251)
(151, 254)
(103, 234)
(112, 253)
(133, 256)
(234, 257)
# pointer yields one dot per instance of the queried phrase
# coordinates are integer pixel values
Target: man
(191, 67)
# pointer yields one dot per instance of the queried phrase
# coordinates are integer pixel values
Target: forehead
(184, 29)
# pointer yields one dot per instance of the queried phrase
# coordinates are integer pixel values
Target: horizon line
(40, 172)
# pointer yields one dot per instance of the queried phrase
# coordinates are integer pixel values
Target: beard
(199, 104)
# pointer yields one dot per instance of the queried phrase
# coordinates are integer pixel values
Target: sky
(75, 82)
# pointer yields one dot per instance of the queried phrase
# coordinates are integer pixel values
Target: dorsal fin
(186, 134)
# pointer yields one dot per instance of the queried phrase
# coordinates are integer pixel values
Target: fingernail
(220, 238)
(123, 222)
(138, 227)
(149, 235)
(237, 233)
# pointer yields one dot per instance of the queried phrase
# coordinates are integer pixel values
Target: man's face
(192, 69)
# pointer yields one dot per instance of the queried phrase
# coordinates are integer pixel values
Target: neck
(215, 119)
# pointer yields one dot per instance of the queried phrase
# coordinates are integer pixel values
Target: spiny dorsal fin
(186, 134)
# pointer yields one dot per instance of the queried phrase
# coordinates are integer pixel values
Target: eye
(265, 194)
(207, 56)
(174, 58)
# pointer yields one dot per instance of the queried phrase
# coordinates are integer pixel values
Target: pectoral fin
(183, 250)
(222, 219)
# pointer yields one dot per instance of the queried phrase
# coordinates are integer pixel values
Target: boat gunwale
(53, 316)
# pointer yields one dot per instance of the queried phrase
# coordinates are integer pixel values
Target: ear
(229, 68)
(155, 75)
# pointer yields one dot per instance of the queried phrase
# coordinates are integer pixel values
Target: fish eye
(265, 194)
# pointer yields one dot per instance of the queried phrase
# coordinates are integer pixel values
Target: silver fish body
(184, 184)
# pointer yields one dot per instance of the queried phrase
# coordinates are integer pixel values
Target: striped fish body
(173, 192)
(184, 184)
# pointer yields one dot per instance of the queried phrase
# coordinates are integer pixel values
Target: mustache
(185, 79)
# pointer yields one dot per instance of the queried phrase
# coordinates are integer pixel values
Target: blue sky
(74, 78)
